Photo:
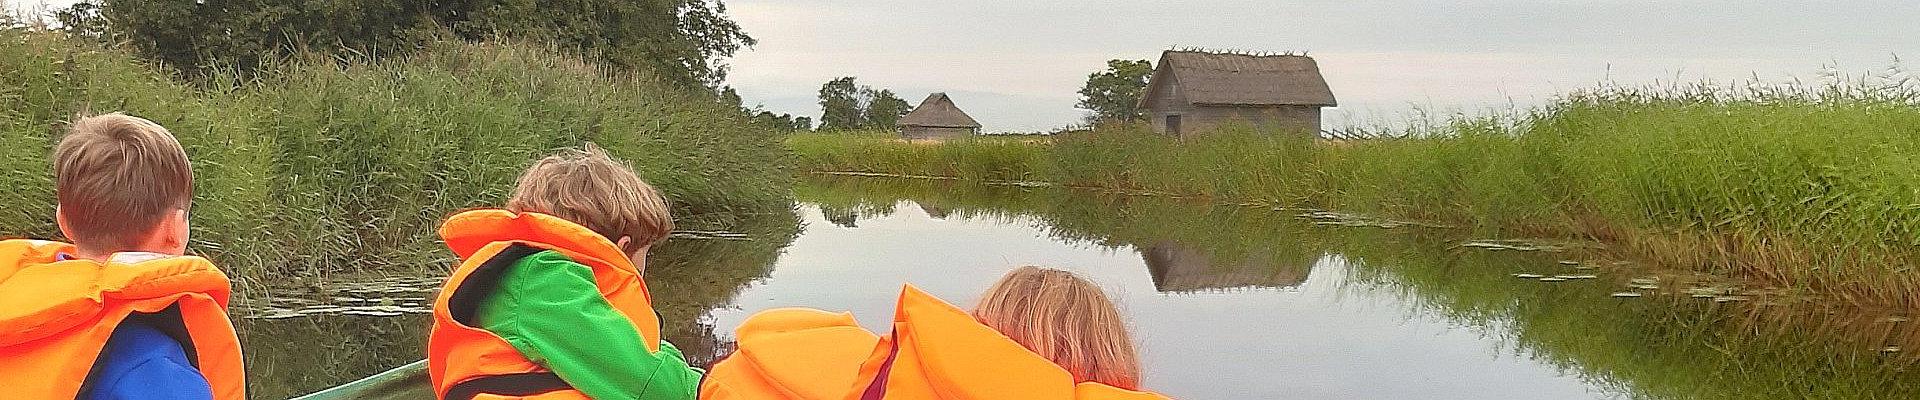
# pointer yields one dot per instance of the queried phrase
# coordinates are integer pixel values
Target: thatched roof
(938, 111)
(1244, 80)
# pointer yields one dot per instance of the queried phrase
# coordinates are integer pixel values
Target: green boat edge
(408, 382)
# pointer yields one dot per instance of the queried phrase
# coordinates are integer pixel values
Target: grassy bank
(1798, 188)
(326, 165)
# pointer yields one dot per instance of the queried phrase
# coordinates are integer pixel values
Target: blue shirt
(140, 362)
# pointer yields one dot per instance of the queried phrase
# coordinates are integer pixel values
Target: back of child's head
(117, 177)
(1066, 319)
(590, 188)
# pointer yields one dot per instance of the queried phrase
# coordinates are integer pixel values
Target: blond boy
(548, 296)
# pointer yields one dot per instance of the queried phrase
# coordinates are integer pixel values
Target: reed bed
(323, 165)
(1800, 187)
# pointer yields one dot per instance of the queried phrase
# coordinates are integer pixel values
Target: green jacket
(548, 308)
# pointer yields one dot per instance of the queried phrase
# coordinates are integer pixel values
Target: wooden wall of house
(928, 132)
(1167, 101)
(1200, 119)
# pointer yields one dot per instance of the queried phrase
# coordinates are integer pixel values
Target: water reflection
(1664, 346)
(1180, 268)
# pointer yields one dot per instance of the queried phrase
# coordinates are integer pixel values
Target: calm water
(1225, 302)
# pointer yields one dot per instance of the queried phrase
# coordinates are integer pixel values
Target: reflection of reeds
(292, 357)
(1662, 346)
(1793, 186)
(690, 277)
(1188, 246)
(1851, 331)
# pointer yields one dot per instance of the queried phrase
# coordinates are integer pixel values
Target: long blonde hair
(1067, 320)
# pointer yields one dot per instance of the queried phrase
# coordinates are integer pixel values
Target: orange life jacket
(791, 354)
(936, 351)
(465, 361)
(56, 317)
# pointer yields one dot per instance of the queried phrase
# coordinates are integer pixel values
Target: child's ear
(638, 256)
(171, 235)
(60, 218)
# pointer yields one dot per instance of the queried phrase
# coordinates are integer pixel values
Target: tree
(802, 123)
(847, 105)
(840, 105)
(884, 109)
(82, 20)
(681, 41)
(1114, 94)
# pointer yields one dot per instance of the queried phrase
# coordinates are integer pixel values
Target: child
(1038, 334)
(1066, 319)
(121, 313)
(548, 298)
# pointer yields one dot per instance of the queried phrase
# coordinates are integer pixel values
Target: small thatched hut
(937, 118)
(1194, 91)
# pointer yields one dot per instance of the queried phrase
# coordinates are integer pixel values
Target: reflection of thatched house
(937, 212)
(937, 117)
(1195, 91)
(1179, 268)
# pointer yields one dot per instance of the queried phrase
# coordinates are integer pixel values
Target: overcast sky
(1015, 64)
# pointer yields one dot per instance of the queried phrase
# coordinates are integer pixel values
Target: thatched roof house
(1194, 91)
(937, 117)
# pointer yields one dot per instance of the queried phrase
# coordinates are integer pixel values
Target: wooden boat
(408, 382)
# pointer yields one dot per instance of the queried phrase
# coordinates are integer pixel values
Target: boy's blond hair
(117, 177)
(590, 188)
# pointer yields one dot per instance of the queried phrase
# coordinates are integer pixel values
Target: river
(1225, 301)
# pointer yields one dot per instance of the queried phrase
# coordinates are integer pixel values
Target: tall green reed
(322, 165)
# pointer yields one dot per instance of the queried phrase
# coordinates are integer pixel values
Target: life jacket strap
(521, 384)
(878, 389)
(464, 304)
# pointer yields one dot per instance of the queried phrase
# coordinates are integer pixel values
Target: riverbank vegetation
(323, 164)
(1800, 188)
